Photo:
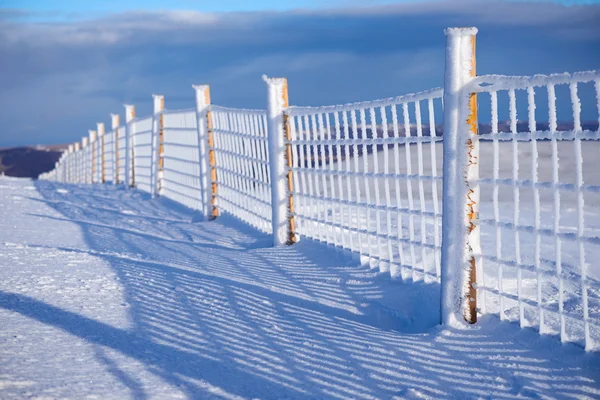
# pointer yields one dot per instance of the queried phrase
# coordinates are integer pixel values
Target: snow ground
(105, 293)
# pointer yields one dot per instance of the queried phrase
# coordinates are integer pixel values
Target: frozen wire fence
(142, 131)
(182, 178)
(366, 178)
(109, 157)
(242, 163)
(539, 219)
(121, 149)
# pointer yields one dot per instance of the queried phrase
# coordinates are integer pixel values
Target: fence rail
(506, 216)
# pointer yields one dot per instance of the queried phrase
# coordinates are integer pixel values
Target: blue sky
(82, 8)
(67, 65)
(86, 7)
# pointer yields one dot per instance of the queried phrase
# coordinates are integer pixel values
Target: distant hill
(29, 162)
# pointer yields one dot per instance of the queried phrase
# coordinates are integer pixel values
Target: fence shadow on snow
(213, 303)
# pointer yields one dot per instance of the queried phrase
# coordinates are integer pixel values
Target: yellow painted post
(130, 146)
(211, 156)
(159, 106)
(472, 195)
(115, 120)
(288, 155)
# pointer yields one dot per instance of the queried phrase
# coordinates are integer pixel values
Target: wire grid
(539, 218)
(121, 145)
(242, 165)
(109, 156)
(142, 139)
(182, 180)
(87, 173)
(359, 185)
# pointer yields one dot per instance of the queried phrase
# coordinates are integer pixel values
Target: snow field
(108, 293)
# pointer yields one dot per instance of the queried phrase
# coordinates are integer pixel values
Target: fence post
(129, 146)
(460, 234)
(99, 147)
(114, 124)
(206, 152)
(157, 171)
(282, 202)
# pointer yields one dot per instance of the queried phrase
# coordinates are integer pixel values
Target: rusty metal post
(472, 173)
(101, 132)
(460, 199)
(159, 107)
(290, 181)
(280, 161)
(208, 165)
(129, 146)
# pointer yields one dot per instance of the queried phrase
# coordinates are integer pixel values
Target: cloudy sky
(65, 65)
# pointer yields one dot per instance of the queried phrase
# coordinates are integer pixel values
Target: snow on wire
(367, 177)
(242, 164)
(359, 185)
(535, 269)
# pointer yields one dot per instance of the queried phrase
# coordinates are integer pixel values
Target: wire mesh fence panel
(540, 197)
(121, 158)
(182, 180)
(242, 165)
(142, 150)
(107, 169)
(367, 178)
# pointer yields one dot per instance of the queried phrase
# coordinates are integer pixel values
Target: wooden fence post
(158, 150)
(129, 146)
(460, 198)
(280, 160)
(206, 152)
(114, 124)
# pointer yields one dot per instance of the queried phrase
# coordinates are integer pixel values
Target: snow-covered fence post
(129, 146)
(460, 234)
(206, 153)
(100, 145)
(158, 135)
(282, 203)
(114, 124)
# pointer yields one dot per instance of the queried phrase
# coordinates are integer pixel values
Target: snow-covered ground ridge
(108, 293)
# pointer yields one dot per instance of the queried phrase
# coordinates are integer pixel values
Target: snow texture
(107, 293)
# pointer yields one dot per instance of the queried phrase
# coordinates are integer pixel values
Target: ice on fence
(182, 179)
(242, 165)
(368, 177)
(360, 184)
